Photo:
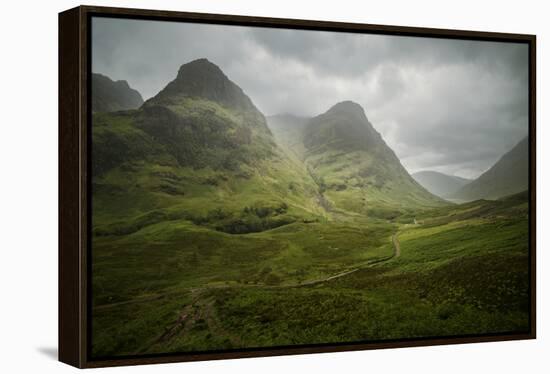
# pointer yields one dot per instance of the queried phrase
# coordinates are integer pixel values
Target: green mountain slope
(354, 167)
(111, 96)
(199, 151)
(508, 176)
(440, 184)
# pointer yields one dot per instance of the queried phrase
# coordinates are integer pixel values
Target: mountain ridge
(509, 175)
(350, 160)
(111, 96)
(195, 152)
(202, 78)
(206, 118)
(201, 149)
(348, 126)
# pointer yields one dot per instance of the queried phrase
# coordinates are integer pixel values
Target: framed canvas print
(237, 186)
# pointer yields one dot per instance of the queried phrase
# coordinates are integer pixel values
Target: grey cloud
(449, 105)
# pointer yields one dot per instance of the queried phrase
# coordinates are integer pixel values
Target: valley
(321, 282)
(215, 228)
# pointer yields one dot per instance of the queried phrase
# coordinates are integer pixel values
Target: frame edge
(69, 209)
(533, 180)
(306, 24)
(73, 176)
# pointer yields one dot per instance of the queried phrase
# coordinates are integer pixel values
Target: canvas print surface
(260, 187)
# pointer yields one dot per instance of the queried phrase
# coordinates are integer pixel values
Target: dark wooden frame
(74, 202)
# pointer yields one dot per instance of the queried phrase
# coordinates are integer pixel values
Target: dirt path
(396, 245)
(317, 281)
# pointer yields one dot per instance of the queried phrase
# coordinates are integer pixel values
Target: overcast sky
(446, 105)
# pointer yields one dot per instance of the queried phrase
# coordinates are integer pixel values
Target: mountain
(111, 96)
(203, 79)
(356, 170)
(440, 184)
(201, 151)
(204, 119)
(507, 176)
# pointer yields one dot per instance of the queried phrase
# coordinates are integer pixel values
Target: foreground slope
(462, 270)
(506, 177)
(440, 184)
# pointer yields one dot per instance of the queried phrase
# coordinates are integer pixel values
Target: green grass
(460, 277)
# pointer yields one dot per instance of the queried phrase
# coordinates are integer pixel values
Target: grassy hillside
(356, 169)
(139, 181)
(187, 157)
(175, 286)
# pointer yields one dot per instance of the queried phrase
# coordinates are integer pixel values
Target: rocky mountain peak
(344, 125)
(204, 79)
(112, 96)
(349, 108)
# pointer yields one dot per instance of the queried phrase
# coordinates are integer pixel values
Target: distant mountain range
(507, 176)
(440, 184)
(110, 96)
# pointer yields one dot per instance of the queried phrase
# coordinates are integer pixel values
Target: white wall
(28, 184)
